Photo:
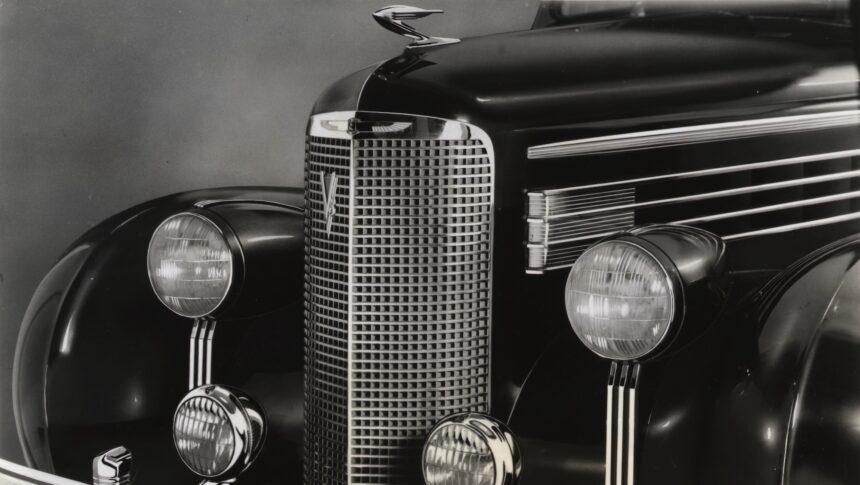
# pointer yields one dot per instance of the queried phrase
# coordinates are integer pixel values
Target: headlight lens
(470, 449)
(620, 300)
(204, 436)
(217, 433)
(190, 265)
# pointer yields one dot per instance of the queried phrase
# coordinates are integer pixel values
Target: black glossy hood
(583, 73)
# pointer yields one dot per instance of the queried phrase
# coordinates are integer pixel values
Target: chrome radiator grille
(397, 295)
(326, 312)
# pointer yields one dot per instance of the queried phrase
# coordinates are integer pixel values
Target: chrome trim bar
(621, 424)
(200, 352)
(746, 235)
(14, 474)
(688, 135)
(610, 406)
(563, 222)
(632, 385)
(752, 189)
(794, 227)
(771, 208)
(821, 157)
(619, 428)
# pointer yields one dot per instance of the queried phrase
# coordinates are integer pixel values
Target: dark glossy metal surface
(270, 236)
(762, 395)
(100, 361)
(697, 260)
(620, 76)
(668, 68)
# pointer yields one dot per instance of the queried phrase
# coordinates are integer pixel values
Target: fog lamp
(190, 264)
(471, 449)
(620, 299)
(218, 433)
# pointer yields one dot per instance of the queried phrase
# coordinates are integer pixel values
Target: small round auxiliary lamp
(473, 449)
(218, 432)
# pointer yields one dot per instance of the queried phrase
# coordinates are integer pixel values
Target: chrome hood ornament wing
(393, 18)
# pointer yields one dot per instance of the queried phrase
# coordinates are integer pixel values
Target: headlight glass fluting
(620, 300)
(190, 265)
(470, 449)
(204, 436)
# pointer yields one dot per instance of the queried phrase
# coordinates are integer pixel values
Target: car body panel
(99, 356)
(764, 395)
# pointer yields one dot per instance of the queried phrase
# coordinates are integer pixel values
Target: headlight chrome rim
(243, 415)
(672, 280)
(230, 241)
(505, 453)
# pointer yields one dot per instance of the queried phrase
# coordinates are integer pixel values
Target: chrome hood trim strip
(689, 135)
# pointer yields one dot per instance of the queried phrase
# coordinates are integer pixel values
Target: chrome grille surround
(397, 291)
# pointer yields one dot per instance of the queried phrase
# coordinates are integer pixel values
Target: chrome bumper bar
(112, 467)
(15, 474)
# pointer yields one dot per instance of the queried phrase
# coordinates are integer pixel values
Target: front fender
(100, 362)
(768, 394)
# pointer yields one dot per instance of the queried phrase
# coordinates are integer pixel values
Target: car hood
(581, 73)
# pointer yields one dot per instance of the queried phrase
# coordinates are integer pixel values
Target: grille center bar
(398, 267)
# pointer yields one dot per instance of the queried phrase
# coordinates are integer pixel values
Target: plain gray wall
(108, 103)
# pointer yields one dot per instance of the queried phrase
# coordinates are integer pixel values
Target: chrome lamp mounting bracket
(393, 18)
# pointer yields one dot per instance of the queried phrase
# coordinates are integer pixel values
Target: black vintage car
(621, 247)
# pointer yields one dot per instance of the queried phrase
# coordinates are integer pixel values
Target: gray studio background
(108, 103)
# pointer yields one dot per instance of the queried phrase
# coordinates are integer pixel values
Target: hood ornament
(393, 18)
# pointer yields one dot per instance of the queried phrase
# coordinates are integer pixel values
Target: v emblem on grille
(329, 190)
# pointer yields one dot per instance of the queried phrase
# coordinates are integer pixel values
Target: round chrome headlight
(471, 449)
(190, 264)
(217, 432)
(620, 300)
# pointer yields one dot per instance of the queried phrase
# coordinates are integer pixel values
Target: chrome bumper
(17, 474)
(112, 467)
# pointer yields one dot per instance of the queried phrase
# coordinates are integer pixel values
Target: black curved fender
(809, 343)
(100, 362)
(767, 394)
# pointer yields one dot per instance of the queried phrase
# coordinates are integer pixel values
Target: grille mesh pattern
(416, 347)
(326, 313)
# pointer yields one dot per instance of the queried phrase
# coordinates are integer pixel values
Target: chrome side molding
(689, 135)
(563, 222)
(393, 18)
